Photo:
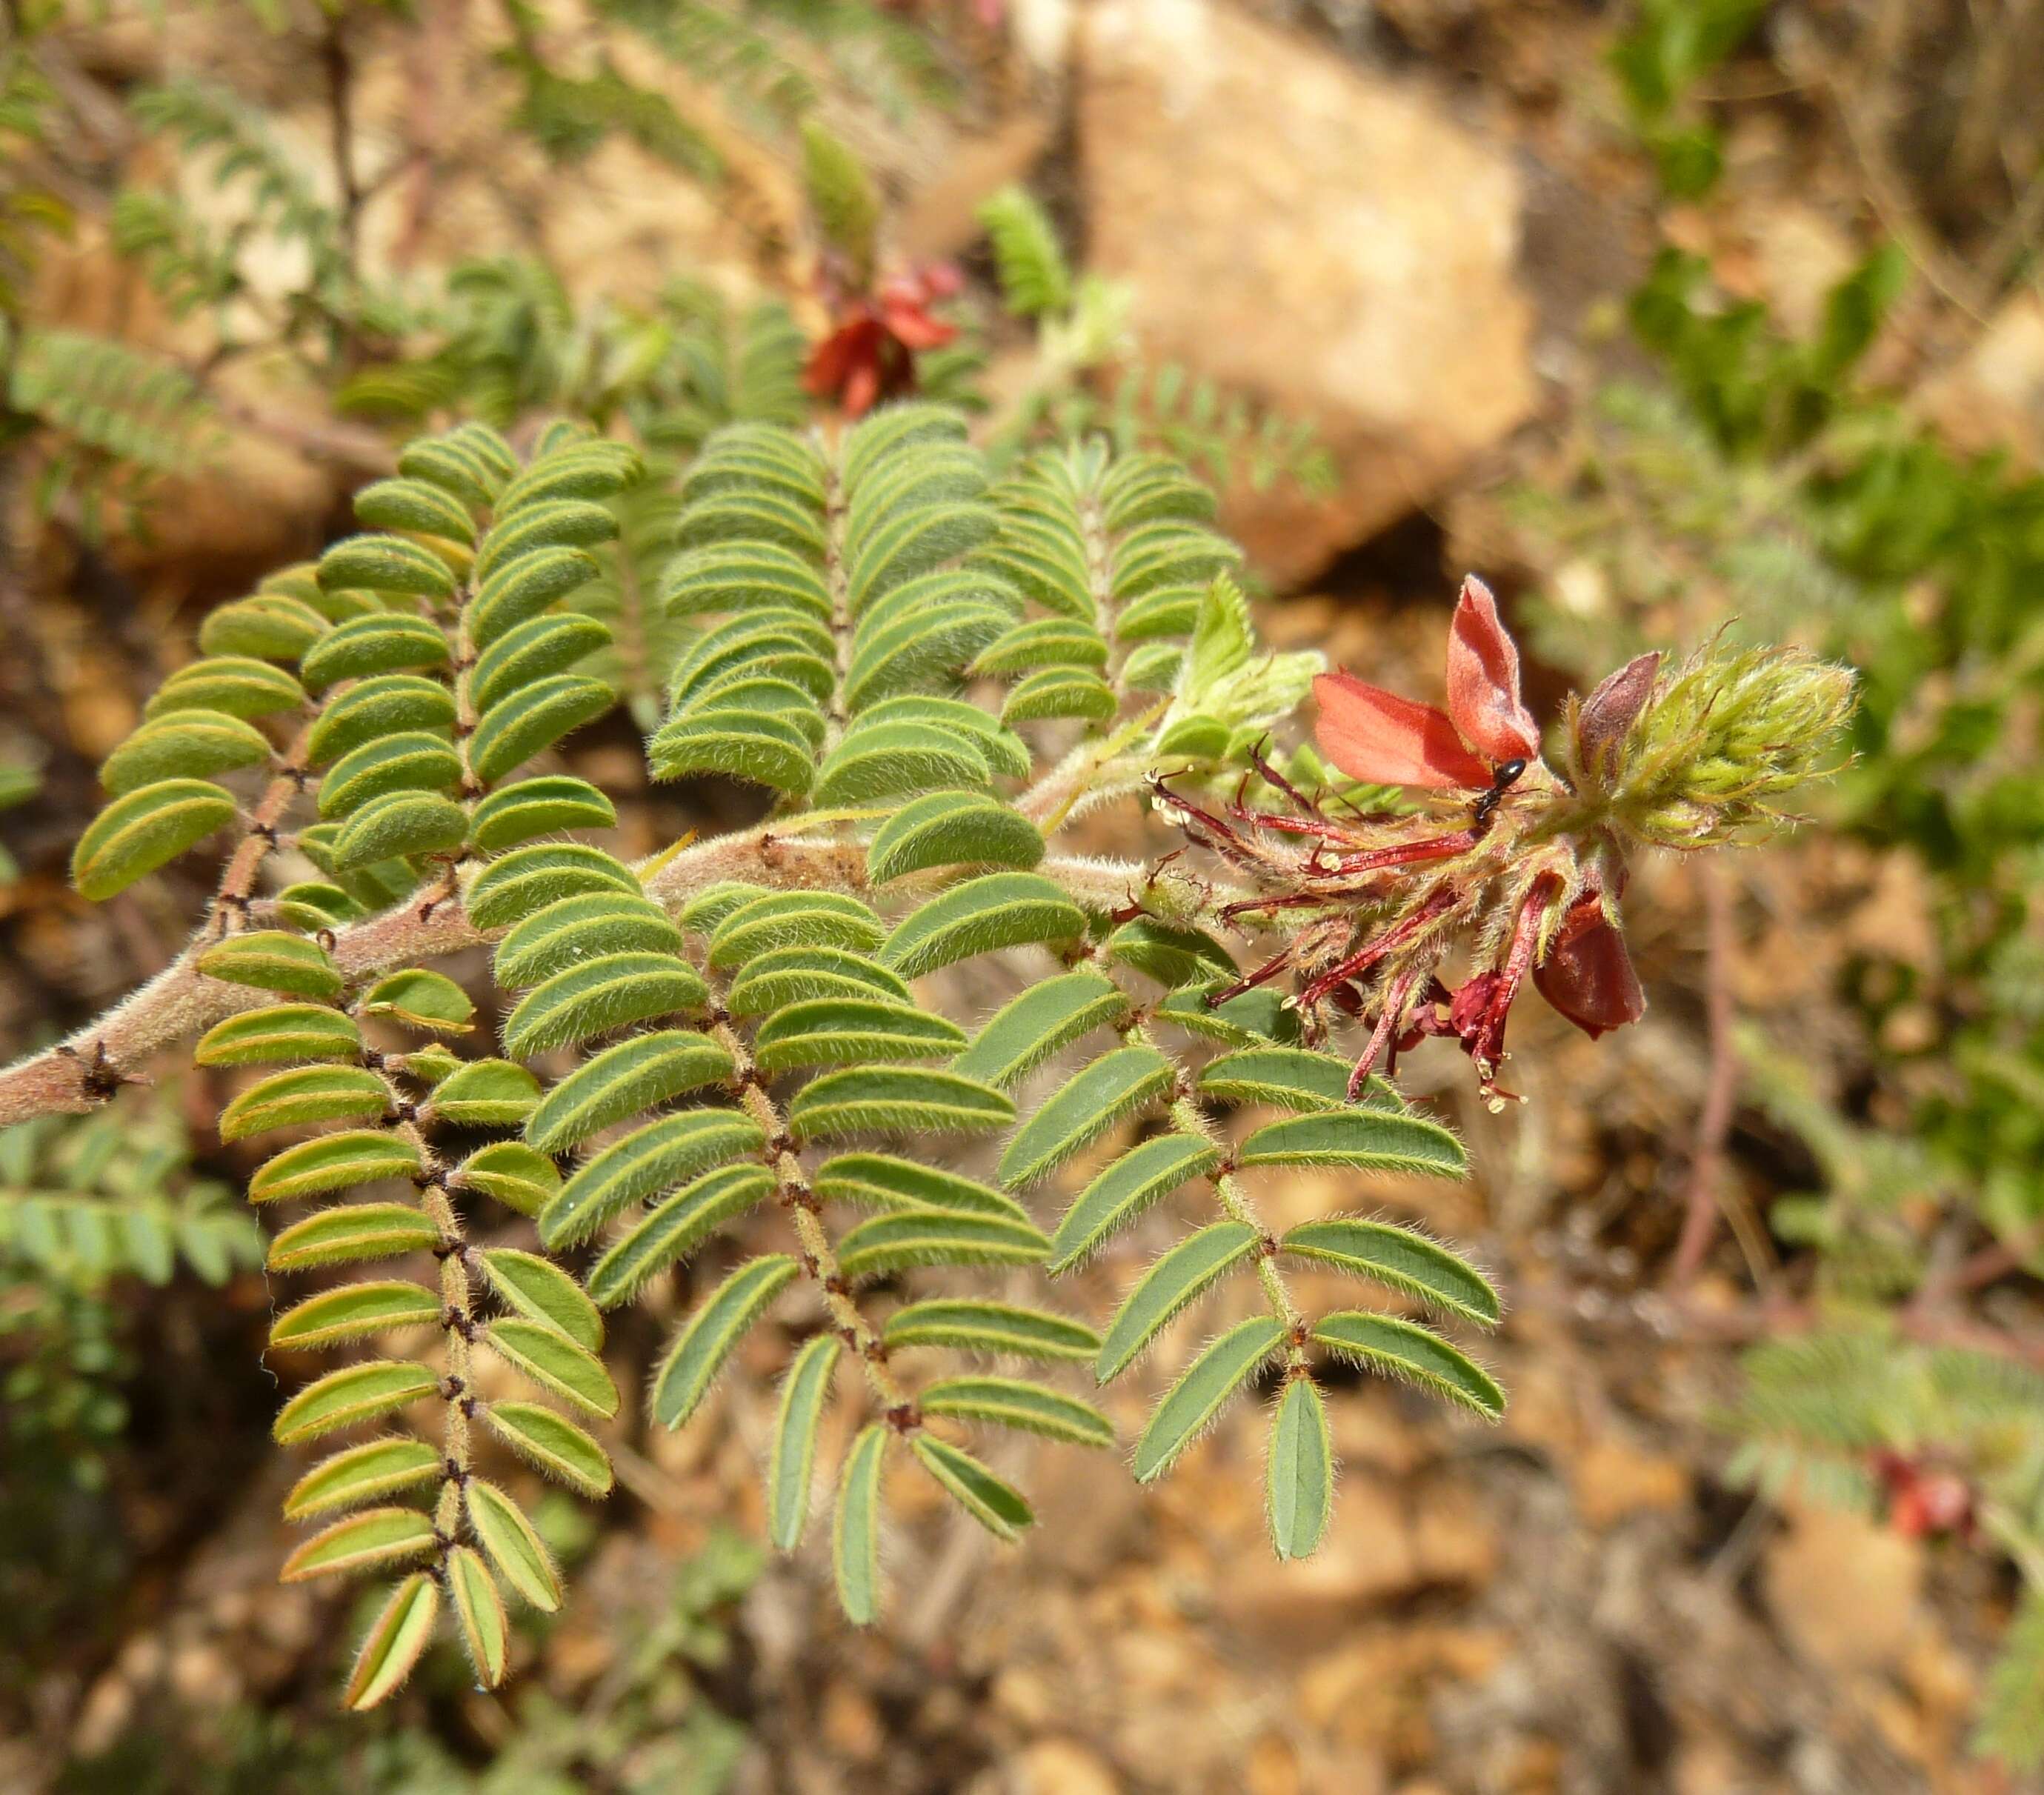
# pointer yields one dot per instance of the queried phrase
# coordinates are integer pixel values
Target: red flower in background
(870, 354)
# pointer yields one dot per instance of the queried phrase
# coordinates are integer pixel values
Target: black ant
(1502, 782)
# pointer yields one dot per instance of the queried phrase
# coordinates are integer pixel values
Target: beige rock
(1236, 177)
(852, 1725)
(1613, 1480)
(1063, 1766)
(1846, 1590)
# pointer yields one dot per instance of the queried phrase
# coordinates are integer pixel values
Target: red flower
(870, 354)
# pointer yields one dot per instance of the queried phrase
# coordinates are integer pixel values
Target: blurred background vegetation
(1671, 316)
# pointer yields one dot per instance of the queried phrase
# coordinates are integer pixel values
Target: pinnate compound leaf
(1400, 1258)
(889, 1099)
(982, 916)
(144, 828)
(540, 1291)
(952, 828)
(968, 1325)
(362, 1473)
(1299, 1482)
(511, 1544)
(855, 1527)
(352, 1311)
(1041, 1022)
(1015, 1402)
(804, 1392)
(1404, 1349)
(995, 1505)
(673, 1229)
(635, 1073)
(1124, 1190)
(1370, 1140)
(1095, 1098)
(911, 1237)
(1190, 1405)
(660, 1155)
(356, 1393)
(555, 1362)
(397, 1638)
(555, 1444)
(368, 1541)
(479, 1612)
(1180, 1275)
(708, 1337)
(273, 959)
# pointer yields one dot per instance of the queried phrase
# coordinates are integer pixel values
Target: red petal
(1483, 681)
(862, 389)
(911, 325)
(1588, 975)
(831, 361)
(1374, 734)
(1613, 708)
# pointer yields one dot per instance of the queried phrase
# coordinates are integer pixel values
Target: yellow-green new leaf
(353, 1394)
(239, 685)
(142, 830)
(277, 1033)
(382, 642)
(385, 563)
(362, 1473)
(555, 1445)
(334, 1162)
(354, 1311)
(368, 1541)
(555, 1362)
(511, 1544)
(479, 1611)
(510, 1171)
(305, 1094)
(397, 1638)
(273, 959)
(183, 744)
(352, 1231)
(540, 1291)
(491, 1094)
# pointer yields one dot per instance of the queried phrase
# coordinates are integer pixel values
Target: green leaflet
(673, 1229)
(511, 1172)
(951, 829)
(599, 995)
(1372, 1140)
(1400, 1258)
(1191, 1404)
(536, 647)
(982, 916)
(555, 1444)
(792, 919)
(1172, 956)
(532, 719)
(333, 1162)
(364, 1541)
(272, 959)
(385, 563)
(236, 684)
(361, 1474)
(1004, 752)
(1404, 1349)
(422, 999)
(454, 469)
(585, 926)
(1114, 1087)
(532, 808)
(838, 1030)
(743, 576)
(268, 626)
(411, 760)
(553, 1362)
(710, 1334)
(995, 1504)
(385, 705)
(709, 906)
(968, 1325)
(554, 523)
(635, 1073)
(1289, 1078)
(511, 1544)
(804, 1392)
(1015, 1402)
(278, 1032)
(479, 1612)
(528, 879)
(651, 1158)
(382, 642)
(142, 830)
(1124, 1190)
(355, 1392)
(924, 648)
(1060, 691)
(880, 1181)
(595, 469)
(911, 1237)
(1172, 1282)
(1250, 1019)
(1040, 1023)
(410, 505)
(399, 1635)
(352, 1231)
(539, 1290)
(397, 826)
(354, 1311)
(1044, 642)
(895, 1100)
(520, 590)
(856, 1528)
(484, 1093)
(895, 760)
(186, 745)
(783, 976)
(1299, 1481)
